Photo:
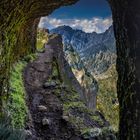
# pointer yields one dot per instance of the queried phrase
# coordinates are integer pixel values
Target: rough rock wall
(126, 17)
(66, 72)
(17, 21)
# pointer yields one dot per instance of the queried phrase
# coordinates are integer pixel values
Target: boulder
(46, 121)
(49, 84)
(42, 108)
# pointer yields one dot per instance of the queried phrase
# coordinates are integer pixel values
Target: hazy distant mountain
(97, 51)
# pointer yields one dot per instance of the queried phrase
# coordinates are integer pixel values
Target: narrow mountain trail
(46, 110)
(56, 110)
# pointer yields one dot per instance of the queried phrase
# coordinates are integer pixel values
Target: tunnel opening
(92, 62)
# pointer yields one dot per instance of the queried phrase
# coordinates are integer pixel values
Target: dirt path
(45, 109)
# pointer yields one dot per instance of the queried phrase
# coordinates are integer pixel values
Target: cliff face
(85, 79)
(127, 33)
(65, 70)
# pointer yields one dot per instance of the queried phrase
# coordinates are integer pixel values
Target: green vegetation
(107, 102)
(16, 103)
(29, 58)
(72, 103)
(56, 71)
(98, 119)
(42, 37)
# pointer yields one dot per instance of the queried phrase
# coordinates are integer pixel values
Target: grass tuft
(16, 103)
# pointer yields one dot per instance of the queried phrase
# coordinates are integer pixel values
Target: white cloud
(95, 24)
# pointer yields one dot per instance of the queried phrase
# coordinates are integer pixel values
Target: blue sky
(87, 15)
(84, 9)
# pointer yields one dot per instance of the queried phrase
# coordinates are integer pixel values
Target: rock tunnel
(18, 25)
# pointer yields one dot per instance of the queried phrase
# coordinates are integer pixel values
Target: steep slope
(97, 51)
(86, 80)
(56, 110)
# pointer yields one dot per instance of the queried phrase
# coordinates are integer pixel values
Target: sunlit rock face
(18, 24)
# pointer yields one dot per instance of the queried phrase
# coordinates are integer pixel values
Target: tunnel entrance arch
(126, 23)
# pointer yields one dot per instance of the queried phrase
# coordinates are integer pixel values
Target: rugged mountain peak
(97, 51)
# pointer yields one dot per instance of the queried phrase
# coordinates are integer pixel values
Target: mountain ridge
(97, 51)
